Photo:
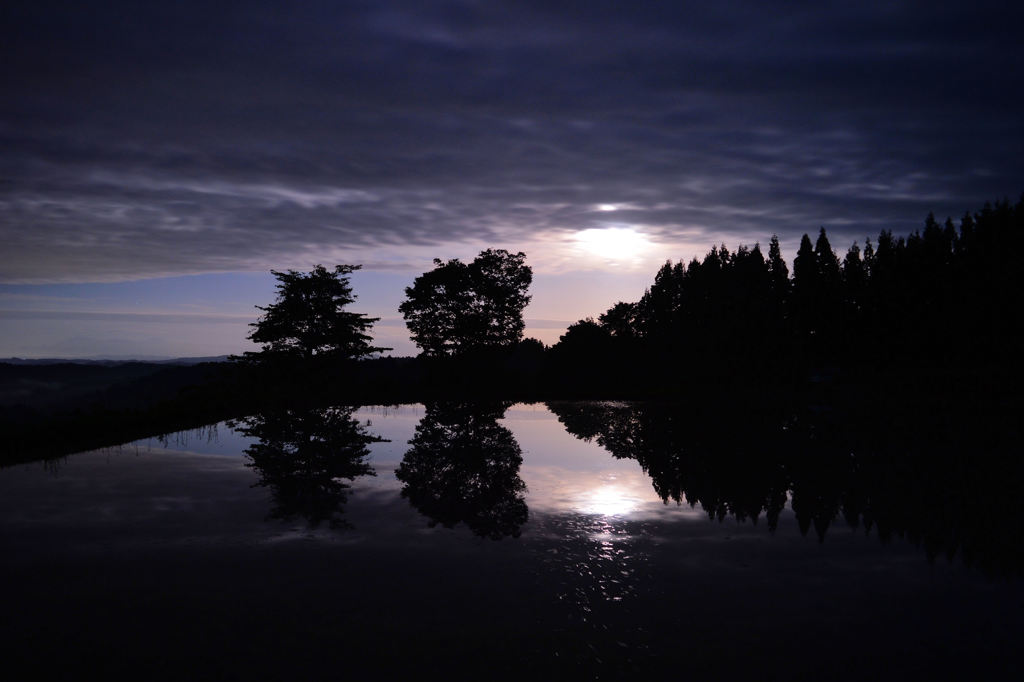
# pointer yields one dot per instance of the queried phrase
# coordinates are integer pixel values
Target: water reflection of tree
(463, 467)
(944, 484)
(684, 451)
(305, 456)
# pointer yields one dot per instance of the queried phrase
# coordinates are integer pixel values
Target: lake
(575, 540)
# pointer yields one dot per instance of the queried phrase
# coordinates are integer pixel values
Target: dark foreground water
(569, 541)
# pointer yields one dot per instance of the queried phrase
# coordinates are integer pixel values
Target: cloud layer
(188, 137)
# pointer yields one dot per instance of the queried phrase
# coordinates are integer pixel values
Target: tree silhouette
(308, 318)
(805, 285)
(620, 320)
(826, 261)
(458, 307)
(828, 299)
(777, 271)
(463, 467)
(854, 284)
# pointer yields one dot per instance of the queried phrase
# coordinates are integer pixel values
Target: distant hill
(110, 362)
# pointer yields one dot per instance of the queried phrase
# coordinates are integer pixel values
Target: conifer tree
(777, 270)
(309, 319)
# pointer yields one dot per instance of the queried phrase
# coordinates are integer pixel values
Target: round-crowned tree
(308, 318)
(457, 307)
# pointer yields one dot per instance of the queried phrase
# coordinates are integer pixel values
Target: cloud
(162, 318)
(145, 141)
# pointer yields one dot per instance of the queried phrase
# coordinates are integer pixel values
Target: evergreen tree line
(944, 296)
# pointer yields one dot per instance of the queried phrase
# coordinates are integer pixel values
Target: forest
(939, 299)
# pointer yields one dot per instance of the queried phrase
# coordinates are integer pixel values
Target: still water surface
(487, 541)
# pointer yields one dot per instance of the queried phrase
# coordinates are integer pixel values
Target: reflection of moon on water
(608, 500)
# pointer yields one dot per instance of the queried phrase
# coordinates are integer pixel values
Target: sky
(157, 160)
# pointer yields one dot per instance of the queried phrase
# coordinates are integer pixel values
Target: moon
(613, 243)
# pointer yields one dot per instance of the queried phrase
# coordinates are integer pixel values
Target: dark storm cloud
(192, 137)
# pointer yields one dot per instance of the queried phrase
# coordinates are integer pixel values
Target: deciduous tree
(457, 307)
